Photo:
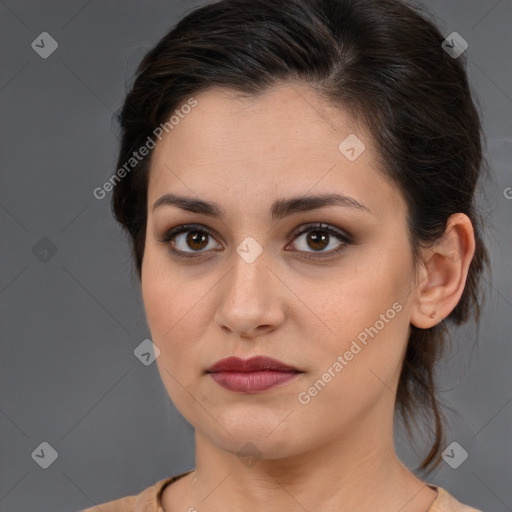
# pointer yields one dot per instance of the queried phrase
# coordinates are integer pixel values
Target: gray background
(71, 319)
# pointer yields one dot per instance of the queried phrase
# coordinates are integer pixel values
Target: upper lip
(254, 364)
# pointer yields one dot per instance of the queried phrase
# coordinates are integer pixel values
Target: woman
(297, 179)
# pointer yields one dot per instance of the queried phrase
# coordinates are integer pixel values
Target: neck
(355, 471)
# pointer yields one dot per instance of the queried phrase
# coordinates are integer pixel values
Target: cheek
(172, 309)
(178, 311)
(167, 296)
(358, 368)
(366, 315)
(357, 299)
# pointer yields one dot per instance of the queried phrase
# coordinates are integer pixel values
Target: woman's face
(338, 311)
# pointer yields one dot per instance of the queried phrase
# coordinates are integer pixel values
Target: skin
(335, 452)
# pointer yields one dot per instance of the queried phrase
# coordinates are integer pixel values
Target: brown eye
(318, 238)
(185, 241)
(196, 239)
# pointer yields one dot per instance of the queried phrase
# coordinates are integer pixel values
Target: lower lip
(252, 382)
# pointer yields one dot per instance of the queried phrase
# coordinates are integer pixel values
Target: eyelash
(344, 238)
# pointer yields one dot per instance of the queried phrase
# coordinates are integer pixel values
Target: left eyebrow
(280, 208)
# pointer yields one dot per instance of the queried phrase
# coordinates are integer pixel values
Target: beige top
(149, 500)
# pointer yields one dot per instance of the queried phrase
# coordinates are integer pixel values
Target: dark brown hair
(382, 61)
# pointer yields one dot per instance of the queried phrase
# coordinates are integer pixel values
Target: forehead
(283, 142)
(289, 120)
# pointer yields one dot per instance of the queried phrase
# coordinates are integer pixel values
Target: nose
(252, 298)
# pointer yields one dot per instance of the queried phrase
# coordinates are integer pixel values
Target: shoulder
(146, 501)
(445, 502)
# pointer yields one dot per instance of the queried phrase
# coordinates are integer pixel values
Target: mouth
(252, 375)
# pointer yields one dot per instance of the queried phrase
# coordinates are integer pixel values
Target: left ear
(443, 273)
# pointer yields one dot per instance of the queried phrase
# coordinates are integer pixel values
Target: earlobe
(444, 273)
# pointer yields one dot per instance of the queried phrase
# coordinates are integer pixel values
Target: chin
(258, 441)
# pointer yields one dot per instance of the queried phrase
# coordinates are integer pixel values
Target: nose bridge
(249, 276)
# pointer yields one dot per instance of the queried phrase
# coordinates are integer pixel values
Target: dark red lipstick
(252, 375)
